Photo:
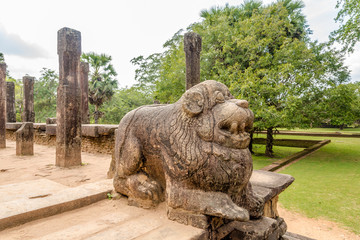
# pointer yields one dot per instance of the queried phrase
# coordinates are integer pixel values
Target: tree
(45, 91)
(348, 16)
(263, 54)
(102, 84)
(2, 59)
(342, 104)
(122, 102)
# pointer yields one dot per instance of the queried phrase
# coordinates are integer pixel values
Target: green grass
(329, 130)
(327, 183)
(260, 160)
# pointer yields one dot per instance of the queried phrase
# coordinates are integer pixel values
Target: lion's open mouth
(234, 133)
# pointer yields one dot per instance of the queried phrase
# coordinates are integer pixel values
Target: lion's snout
(234, 120)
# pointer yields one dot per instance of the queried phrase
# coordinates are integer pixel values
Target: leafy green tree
(45, 91)
(102, 84)
(348, 16)
(2, 59)
(122, 102)
(263, 54)
(342, 104)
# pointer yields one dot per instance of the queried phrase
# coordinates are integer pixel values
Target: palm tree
(102, 84)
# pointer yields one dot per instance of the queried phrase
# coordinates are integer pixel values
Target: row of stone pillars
(72, 103)
(72, 108)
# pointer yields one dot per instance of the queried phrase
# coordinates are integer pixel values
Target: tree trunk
(251, 141)
(269, 142)
(96, 114)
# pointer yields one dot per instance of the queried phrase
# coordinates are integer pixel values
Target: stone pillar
(84, 89)
(28, 86)
(192, 48)
(68, 112)
(2, 105)
(25, 139)
(10, 102)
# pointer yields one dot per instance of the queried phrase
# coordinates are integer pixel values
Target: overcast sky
(122, 29)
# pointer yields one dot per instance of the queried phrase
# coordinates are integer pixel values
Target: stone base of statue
(266, 185)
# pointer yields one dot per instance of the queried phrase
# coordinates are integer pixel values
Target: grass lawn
(328, 130)
(260, 160)
(327, 183)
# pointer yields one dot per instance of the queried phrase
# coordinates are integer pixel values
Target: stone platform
(106, 219)
(27, 201)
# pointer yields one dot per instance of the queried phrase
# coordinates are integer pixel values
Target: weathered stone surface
(268, 184)
(24, 209)
(192, 48)
(195, 149)
(25, 139)
(13, 126)
(2, 105)
(84, 89)
(261, 229)
(40, 126)
(51, 121)
(28, 101)
(68, 112)
(10, 102)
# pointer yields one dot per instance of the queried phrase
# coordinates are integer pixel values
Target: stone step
(43, 198)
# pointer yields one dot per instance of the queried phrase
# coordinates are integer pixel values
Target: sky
(122, 29)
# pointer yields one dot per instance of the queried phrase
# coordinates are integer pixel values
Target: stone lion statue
(193, 154)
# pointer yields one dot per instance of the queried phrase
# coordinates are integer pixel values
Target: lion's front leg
(208, 203)
(131, 180)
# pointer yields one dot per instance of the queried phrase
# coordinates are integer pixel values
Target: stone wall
(96, 138)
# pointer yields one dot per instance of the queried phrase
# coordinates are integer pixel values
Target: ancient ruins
(28, 101)
(10, 102)
(192, 48)
(25, 139)
(2, 105)
(68, 112)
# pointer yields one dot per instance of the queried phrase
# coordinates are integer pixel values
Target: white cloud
(12, 44)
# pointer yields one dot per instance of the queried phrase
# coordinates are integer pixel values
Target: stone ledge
(268, 184)
(87, 130)
(22, 210)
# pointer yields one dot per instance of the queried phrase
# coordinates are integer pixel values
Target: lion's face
(221, 118)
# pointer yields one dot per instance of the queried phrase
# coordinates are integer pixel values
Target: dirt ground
(15, 169)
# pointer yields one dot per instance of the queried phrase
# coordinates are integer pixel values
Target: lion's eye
(219, 97)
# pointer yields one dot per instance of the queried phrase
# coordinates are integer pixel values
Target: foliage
(342, 104)
(348, 16)
(123, 101)
(2, 59)
(102, 84)
(45, 89)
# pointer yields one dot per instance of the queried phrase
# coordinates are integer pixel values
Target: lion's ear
(193, 102)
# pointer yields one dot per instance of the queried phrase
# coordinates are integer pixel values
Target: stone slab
(269, 184)
(40, 126)
(13, 126)
(29, 189)
(22, 210)
(51, 129)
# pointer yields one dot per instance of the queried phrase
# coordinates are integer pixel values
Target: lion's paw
(144, 192)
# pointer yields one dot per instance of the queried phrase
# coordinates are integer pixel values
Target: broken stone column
(192, 48)
(84, 88)
(68, 112)
(28, 86)
(2, 105)
(25, 139)
(10, 102)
